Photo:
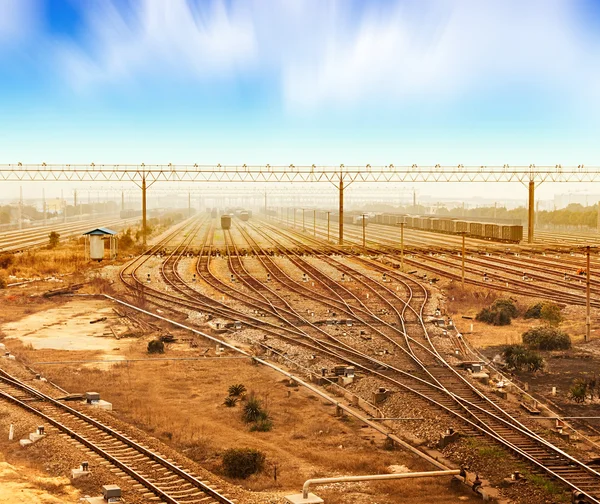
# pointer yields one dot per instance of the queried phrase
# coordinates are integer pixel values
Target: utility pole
(265, 203)
(144, 210)
(364, 226)
(189, 204)
(294, 218)
(45, 210)
(328, 214)
(341, 209)
(531, 212)
(402, 247)
(303, 226)
(587, 298)
(63, 204)
(315, 222)
(74, 200)
(20, 208)
(463, 260)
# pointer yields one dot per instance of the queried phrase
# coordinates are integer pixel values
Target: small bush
(6, 261)
(578, 391)
(253, 410)
(53, 239)
(2, 282)
(237, 390)
(230, 402)
(534, 311)
(242, 462)
(518, 357)
(506, 305)
(263, 425)
(550, 313)
(156, 347)
(546, 338)
(499, 313)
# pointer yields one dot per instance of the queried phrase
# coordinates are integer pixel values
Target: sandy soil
(19, 485)
(68, 327)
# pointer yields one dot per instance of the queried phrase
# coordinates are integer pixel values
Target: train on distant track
(509, 233)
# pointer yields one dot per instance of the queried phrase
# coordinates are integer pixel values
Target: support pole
(189, 204)
(314, 222)
(295, 218)
(63, 204)
(587, 298)
(45, 209)
(364, 225)
(598, 223)
(303, 226)
(122, 200)
(74, 200)
(328, 214)
(402, 247)
(531, 212)
(341, 211)
(144, 210)
(20, 208)
(463, 261)
(265, 203)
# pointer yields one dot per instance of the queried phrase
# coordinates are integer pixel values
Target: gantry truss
(292, 173)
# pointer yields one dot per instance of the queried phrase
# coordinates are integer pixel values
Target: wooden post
(402, 247)
(587, 298)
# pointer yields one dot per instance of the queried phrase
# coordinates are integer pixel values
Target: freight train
(484, 230)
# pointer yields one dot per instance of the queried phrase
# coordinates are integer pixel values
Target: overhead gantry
(145, 175)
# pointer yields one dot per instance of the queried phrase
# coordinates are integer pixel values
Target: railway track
(433, 381)
(162, 480)
(17, 241)
(498, 424)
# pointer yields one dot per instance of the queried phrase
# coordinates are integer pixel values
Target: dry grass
(67, 258)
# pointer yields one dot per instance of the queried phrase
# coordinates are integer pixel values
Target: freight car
(244, 215)
(482, 230)
(225, 221)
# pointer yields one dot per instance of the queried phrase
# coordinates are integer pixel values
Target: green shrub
(579, 390)
(242, 462)
(156, 346)
(263, 425)
(230, 402)
(550, 313)
(253, 410)
(500, 313)
(506, 305)
(518, 357)
(237, 390)
(534, 311)
(546, 338)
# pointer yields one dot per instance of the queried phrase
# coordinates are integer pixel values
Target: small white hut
(94, 243)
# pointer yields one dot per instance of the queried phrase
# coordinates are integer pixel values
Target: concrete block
(92, 396)
(25, 442)
(298, 499)
(111, 492)
(79, 473)
(94, 500)
(104, 405)
(34, 437)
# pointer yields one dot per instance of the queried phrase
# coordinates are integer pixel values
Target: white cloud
(163, 38)
(444, 49)
(18, 18)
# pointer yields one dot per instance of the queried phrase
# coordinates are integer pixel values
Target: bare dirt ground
(181, 404)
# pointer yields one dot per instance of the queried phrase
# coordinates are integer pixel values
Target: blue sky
(300, 81)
